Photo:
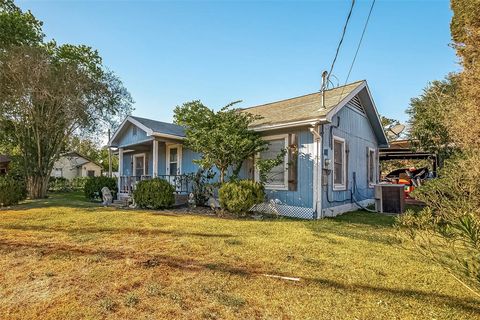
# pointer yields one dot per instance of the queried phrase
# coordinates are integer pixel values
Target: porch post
(155, 159)
(120, 168)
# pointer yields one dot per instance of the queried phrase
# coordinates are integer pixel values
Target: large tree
(48, 93)
(429, 112)
(222, 138)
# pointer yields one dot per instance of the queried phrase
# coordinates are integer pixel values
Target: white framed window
(173, 159)
(278, 177)
(371, 165)
(139, 165)
(339, 164)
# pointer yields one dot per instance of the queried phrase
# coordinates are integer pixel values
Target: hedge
(93, 186)
(154, 194)
(11, 191)
(239, 197)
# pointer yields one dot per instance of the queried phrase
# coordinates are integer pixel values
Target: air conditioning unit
(389, 198)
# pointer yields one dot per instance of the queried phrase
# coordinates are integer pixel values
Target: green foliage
(222, 138)
(59, 184)
(448, 229)
(18, 28)
(154, 194)
(93, 186)
(202, 186)
(428, 112)
(264, 166)
(78, 183)
(11, 191)
(49, 93)
(240, 196)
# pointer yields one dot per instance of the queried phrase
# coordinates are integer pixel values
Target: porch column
(120, 168)
(155, 159)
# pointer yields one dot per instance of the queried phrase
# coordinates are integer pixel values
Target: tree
(88, 148)
(465, 29)
(448, 229)
(428, 129)
(18, 28)
(48, 93)
(222, 138)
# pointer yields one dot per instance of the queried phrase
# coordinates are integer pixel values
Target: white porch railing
(181, 182)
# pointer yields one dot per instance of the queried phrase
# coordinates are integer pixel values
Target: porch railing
(181, 182)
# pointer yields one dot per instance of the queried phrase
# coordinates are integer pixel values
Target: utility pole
(109, 156)
(324, 86)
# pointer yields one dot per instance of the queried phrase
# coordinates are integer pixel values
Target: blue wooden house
(331, 167)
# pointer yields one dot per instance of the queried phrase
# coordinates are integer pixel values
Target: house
(4, 163)
(331, 167)
(73, 165)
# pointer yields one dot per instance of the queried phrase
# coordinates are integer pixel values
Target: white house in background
(73, 165)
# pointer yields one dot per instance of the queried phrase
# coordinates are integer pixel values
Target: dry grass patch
(68, 259)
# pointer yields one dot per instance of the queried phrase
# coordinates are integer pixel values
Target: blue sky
(167, 53)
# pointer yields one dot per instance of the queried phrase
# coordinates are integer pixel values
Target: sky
(170, 52)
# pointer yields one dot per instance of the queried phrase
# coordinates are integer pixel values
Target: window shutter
(292, 162)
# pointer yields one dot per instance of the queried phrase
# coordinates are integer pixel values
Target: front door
(139, 165)
(174, 159)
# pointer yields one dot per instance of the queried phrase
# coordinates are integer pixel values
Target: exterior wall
(70, 169)
(355, 128)
(127, 137)
(83, 170)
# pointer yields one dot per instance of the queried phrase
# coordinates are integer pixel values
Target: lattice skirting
(275, 208)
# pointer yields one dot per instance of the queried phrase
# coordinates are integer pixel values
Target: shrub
(240, 196)
(11, 191)
(447, 230)
(154, 194)
(59, 184)
(93, 186)
(79, 183)
(202, 188)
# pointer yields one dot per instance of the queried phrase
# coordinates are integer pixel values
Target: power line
(358, 48)
(360, 42)
(339, 44)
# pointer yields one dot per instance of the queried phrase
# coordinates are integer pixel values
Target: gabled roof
(162, 127)
(308, 109)
(152, 128)
(304, 108)
(73, 154)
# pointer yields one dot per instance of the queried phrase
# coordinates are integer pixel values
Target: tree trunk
(37, 187)
(222, 175)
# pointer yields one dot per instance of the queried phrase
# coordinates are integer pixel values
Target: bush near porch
(239, 197)
(154, 194)
(93, 186)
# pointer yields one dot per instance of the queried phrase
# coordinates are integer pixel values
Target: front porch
(181, 182)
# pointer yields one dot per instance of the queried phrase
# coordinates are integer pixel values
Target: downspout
(316, 170)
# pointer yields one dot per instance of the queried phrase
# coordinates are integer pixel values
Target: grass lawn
(64, 258)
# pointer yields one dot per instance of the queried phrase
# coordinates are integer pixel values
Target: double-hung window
(277, 178)
(339, 164)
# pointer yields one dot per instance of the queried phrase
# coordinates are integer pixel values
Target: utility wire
(358, 48)
(340, 43)
(360, 42)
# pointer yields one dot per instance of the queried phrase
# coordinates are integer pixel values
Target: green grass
(64, 258)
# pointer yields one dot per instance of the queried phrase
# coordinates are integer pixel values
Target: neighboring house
(331, 166)
(73, 165)
(4, 163)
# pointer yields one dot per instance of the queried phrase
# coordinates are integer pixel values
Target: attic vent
(356, 104)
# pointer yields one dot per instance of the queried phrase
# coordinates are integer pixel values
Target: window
(91, 173)
(174, 159)
(339, 164)
(278, 176)
(134, 130)
(371, 167)
(139, 165)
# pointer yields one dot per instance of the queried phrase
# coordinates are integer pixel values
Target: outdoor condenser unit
(389, 198)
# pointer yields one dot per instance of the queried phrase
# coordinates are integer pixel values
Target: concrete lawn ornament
(106, 196)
